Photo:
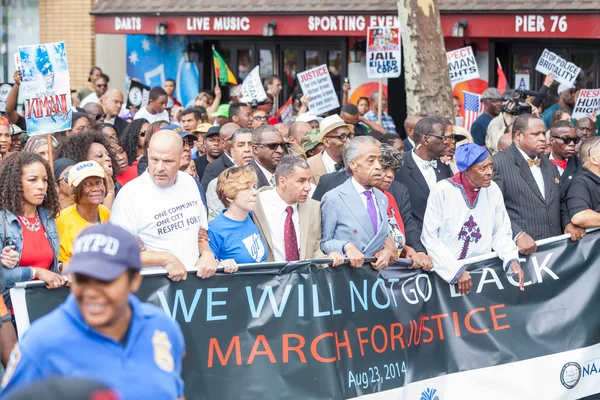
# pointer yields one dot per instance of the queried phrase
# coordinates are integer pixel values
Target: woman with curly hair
(94, 146)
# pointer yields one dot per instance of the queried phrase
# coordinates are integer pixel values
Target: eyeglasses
(444, 138)
(259, 118)
(274, 146)
(98, 117)
(343, 137)
(234, 170)
(591, 147)
(568, 140)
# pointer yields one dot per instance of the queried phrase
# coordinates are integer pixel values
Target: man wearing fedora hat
(334, 133)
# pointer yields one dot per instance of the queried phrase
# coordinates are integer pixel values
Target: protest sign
(45, 87)
(564, 71)
(252, 88)
(299, 332)
(587, 102)
(285, 111)
(316, 82)
(4, 91)
(138, 95)
(383, 52)
(462, 65)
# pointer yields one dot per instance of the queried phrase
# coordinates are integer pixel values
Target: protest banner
(252, 88)
(297, 331)
(138, 95)
(5, 89)
(316, 82)
(45, 87)
(286, 110)
(462, 65)
(383, 52)
(564, 71)
(587, 102)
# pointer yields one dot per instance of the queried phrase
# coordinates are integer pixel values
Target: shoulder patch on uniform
(162, 351)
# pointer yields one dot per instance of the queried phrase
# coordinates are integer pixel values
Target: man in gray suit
(531, 187)
(354, 215)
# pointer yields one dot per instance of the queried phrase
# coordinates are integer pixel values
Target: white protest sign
(316, 83)
(383, 52)
(252, 88)
(462, 65)
(522, 81)
(587, 102)
(564, 72)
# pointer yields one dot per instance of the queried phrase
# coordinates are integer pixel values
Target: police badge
(162, 351)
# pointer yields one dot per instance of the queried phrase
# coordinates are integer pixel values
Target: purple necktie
(371, 210)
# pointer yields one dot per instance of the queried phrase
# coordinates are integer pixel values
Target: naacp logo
(429, 394)
(570, 374)
(162, 351)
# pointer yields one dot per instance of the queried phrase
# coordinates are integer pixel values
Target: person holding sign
(566, 101)
(386, 121)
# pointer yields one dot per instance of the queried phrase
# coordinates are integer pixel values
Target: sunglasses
(259, 118)
(568, 140)
(234, 170)
(275, 146)
(65, 177)
(444, 138)
(98, 117)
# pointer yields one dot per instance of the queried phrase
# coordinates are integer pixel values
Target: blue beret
(468, 155)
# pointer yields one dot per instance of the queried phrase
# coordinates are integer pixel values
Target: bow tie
(430, 164)
(535, 162)
(339, 166)
(562, 164)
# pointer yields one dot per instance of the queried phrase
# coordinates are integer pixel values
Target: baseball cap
(491, 94)
(307, 117)
(563, 88)
(214, 130)
(311, 139)
(60, 165)
(104, 252)
(178, 130)
(222, 111)
(16, 130)
(201, 129)
(83, 170)
(333, 122)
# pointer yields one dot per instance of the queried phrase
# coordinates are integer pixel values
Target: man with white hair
(164, 209)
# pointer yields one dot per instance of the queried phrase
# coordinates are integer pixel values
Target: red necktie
(290, 242)
(561, 163)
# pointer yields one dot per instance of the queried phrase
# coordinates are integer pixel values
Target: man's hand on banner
(465, 283)
(576, 232)
(526, 244)
(336, 258)
(515, 267)
(383, 259)
(355, 257)
(175, 268)
(207, 265)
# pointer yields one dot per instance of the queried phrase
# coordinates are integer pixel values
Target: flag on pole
(502, 85)
(472, 109)
(222, 71)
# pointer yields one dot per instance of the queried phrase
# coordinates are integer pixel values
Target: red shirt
(129, 174)
(37, 250)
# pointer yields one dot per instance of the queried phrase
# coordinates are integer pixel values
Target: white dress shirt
(111, 121)
(274, 208)
(427, 171)
(328, 162)
(536, 171)
(411, 142)
(230, 158)
(560, 170)
(270, 177)
(361, 192)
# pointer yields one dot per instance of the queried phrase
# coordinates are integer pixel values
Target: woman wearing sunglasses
(259, 117)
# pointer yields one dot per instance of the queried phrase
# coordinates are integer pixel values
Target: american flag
(472, 109)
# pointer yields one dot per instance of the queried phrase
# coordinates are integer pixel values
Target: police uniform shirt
(148, 366)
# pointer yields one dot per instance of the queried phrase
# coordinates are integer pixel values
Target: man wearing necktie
(422, 167)
(530, 183)
(354, 214)
(563, 141)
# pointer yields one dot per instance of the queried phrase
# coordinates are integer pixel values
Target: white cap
(563, 88)
(307, 117)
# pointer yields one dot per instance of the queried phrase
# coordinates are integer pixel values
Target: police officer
(102, 331)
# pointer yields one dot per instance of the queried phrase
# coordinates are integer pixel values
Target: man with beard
(563, 141)
(566, 100)
(492, 103)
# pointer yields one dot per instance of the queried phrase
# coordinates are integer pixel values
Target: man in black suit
(563, 140)
(531, 187)
(268, 147)
(409, 128)
(412, 232)
(225, 161)
(112, 101)
(422, 167)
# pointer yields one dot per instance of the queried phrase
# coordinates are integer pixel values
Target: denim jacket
(14, 237)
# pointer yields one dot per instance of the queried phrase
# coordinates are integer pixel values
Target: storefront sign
(252, 88)
(587, 102)
(316, 83)
(522, 81)
(383, 52)
(462, 65)
(480, 25)
(564, 71)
